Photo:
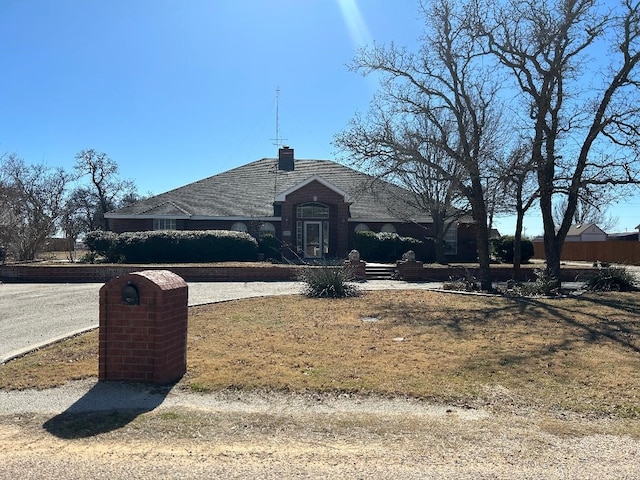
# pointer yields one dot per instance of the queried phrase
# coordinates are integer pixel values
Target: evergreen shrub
(503, 248)
(172, 246)
(383, 247)
(103, 244)
(269, 246)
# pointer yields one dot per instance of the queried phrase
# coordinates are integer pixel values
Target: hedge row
(383, 247)
(173, 246)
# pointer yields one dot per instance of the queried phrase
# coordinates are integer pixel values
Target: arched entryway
(312, 229)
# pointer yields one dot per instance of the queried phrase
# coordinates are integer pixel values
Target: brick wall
(82, 273)
(249, 273)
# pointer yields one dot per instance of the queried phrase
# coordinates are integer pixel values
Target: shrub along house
(313, 207)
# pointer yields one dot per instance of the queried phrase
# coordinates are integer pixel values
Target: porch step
(379, 271)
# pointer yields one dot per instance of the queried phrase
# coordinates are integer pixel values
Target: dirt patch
(307, 437)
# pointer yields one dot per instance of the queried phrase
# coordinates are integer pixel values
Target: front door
(313, 239)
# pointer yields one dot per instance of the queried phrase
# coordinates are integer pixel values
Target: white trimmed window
(267, 229)
(388, 228)
(239, 227)
(312, 210)
(164, 223)
(362, 227)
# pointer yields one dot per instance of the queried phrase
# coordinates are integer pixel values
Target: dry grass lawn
(580, 354)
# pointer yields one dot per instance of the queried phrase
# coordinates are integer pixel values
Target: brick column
(410, 271)
(143, 339)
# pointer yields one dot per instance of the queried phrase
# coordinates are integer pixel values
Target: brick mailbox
(143, 328)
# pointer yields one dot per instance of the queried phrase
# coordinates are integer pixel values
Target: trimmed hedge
(171, 246)
(383, 247)
(270, 247)
(102, 243)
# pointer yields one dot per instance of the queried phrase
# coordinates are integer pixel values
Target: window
(239, 227)
(388, 228)
(299, 244)
(312, 210)
(451, 240)
(164, 223)
(266, 229)
(325, 238)
(362, 227)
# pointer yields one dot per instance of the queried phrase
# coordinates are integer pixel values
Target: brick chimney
(285, 159)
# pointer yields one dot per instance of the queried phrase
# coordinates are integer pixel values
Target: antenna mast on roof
(277, 141)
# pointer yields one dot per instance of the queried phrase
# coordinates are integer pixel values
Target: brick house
(314, 207)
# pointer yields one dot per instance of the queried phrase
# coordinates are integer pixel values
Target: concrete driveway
(36, 314)
(32, 315)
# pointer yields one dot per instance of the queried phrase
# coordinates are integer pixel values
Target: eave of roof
(249, 191)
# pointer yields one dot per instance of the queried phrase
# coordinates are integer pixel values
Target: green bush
(383, 247)
(503, 248)
(270, 246)
(328, 281)
(102, 243)
(174, 246)
(612, 279)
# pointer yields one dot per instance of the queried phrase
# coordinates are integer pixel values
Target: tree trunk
(438, 237)
(479, 214)
(553, 250)
(517, 244)
(484, 263)
(439, 251)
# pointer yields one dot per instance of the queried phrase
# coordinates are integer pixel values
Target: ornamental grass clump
(328, 281)
(608, 279)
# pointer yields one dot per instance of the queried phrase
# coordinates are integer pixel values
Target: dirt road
(239, 435)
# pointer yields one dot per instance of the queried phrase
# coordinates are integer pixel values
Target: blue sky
(176, 90)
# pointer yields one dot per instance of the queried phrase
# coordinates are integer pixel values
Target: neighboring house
(314, 207)
(585, 232)
(624, 236)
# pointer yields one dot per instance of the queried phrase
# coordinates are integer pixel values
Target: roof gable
(583, 228)
(167, 209)
(314, 178)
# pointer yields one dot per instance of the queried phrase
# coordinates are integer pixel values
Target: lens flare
(356, 25)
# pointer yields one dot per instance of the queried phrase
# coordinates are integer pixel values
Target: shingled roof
(250, 190)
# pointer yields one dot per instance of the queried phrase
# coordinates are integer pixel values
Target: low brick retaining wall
(500, 273)
(251, 272)
(102, 273)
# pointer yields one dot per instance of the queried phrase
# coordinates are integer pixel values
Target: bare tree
(444, 87)
(105, 190)
(520, 192)
(583, 115)
(430, 192)
(31, 203)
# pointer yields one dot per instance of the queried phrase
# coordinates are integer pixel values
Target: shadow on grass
(623, 331)
(613, 318)
(107, 406)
